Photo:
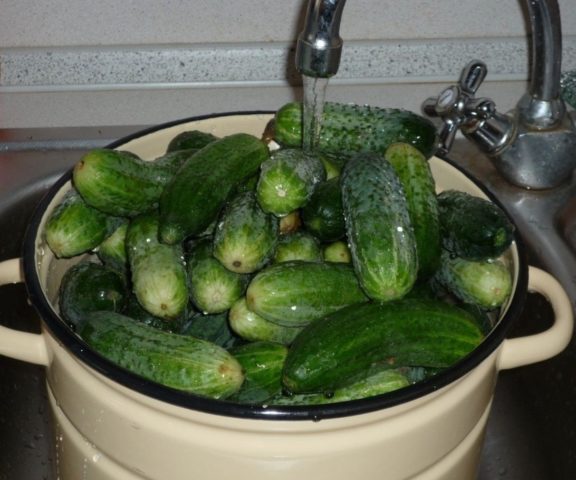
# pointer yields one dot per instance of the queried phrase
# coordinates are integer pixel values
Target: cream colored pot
(114, 425)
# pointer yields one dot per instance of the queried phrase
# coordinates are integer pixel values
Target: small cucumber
(348, 128)
(245, 236)
(296, 293)
(194, 198)
(119, 183)
(472, 227)
(158, 273)
(380, 234)
(262, 364)
(290, 223)
(384, 380)
(213, 288)
(190, 139)
(338, 252)
(74, 227)
(485, 283)
(89, 287)
(323, 215)
(177, 361)
(419, 186)
(254, 328)
(299, 245)
(410, 332)
(287, 180)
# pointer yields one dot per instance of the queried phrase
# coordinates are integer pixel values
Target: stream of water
(313, 106)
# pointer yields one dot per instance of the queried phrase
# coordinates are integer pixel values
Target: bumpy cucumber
(419, 186)
(323, 215)
(190, 139)
(357, 128)
(384, 380)
(89, 287)
(74, 227)
(411, 332)
(296, 293)
(193, 199)
(262, 364)
(299, 245)
(472, 227)
(254, 328)
(380, 234)
(485, 283)
(119, 183)
(158, 273)
(245, 236)
(177, 361)
(213, 288)
(287, 180)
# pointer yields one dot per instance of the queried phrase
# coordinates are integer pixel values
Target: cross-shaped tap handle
(457, 106)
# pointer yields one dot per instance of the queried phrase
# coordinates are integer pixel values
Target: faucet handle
(459, 109)
(472, 76)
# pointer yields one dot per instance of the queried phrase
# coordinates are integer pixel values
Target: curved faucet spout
(532, 146)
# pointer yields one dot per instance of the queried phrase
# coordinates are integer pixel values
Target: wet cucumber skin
(348, 128)
(411, 332)
(195, 196)
(177, 361)
(297, 292)
(378, 226)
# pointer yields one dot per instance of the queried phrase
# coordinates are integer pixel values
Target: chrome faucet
(533, 146)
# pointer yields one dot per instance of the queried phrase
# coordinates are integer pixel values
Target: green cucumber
(334, 352)
(245, 236)
(74, 227)
(350, 128)
(338, 252)
(262, 364)
(89, 287)
(299, 245)
(287, 180)
(485, 283)
(419, 186)
(194, 198)
(323, 215)
(137, 312)
(472, 227)
(119, 183)
(296, 293)
(190, 139)
(213, 288)
(176, 361)
(112, 250)
(159, 278)
(380, 234)
(384, 380)
(212, 327)
(254, 328)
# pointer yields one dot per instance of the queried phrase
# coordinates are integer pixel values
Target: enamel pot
(111, 424)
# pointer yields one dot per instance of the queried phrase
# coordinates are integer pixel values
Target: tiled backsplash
(142, 62)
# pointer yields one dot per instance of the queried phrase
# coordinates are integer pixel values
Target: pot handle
(517, 352)
(29, 347)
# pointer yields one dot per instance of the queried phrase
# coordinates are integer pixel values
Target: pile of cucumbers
(255, 272)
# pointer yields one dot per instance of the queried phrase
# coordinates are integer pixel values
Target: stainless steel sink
(532, 429)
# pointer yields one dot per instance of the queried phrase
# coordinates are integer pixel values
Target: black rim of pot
(85, 354)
